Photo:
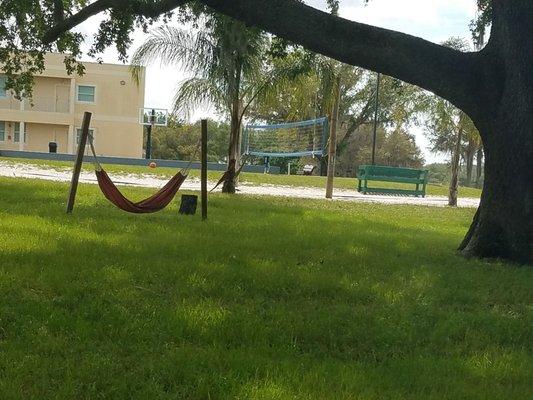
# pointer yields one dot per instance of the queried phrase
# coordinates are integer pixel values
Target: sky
(434, 20)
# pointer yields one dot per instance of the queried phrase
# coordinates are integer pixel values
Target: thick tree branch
(150, 10)
(58, 11)
(446, 72)
(67, 24)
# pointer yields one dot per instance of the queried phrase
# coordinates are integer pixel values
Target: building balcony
(46, 110)
(38, 103)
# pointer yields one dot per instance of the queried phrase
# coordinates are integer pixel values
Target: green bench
(418, 177)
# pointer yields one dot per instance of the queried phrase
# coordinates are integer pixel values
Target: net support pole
(332, 146)
(204, 170)
(79, 161)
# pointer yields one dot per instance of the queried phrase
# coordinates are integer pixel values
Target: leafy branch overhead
(28, 28)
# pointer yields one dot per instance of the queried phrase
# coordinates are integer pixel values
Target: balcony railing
(38, 103)
(9, 103)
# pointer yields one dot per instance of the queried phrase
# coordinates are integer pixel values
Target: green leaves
(483, 20)
(333, 6)
(22, 25)
(223, 56)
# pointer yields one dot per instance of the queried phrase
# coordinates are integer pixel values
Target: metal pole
(332, 149)
(79, 161)
(204, 169)
(376, 110)
(149, 136)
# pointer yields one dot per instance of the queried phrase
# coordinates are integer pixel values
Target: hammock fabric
(150, 205)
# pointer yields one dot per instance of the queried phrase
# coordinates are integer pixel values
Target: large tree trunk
(503, 226)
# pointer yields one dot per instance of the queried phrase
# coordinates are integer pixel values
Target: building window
(3, 86)
(86, 94)
(2, 131)
(78, 135)
(3, 92)
(16, 134)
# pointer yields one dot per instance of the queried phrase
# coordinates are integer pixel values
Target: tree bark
(503, 226)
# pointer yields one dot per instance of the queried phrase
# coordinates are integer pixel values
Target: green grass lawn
(271, 298)
(253, 178)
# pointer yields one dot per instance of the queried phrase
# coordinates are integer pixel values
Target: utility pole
(376, 111)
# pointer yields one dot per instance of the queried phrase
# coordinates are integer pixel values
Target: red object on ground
(152, 165)
(155, 203)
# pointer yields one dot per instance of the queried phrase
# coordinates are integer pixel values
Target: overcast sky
(434, 20)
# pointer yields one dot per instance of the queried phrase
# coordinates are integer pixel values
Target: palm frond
(173, 46)
(197, 92)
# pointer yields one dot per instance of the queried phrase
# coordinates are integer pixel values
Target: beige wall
(39, 135)
(56, 110)
(115, 138)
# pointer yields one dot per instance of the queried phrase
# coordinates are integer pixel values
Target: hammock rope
(154, 203)
(227, 172)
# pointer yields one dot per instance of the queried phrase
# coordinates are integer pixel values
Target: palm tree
(224, 58)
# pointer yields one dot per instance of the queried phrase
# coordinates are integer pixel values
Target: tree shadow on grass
(264, 301)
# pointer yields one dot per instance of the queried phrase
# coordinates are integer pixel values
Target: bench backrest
(391, 172)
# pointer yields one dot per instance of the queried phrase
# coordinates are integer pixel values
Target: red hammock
(152, 204)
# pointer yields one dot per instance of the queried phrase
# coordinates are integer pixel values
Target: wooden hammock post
(204, 169)
(332, 149)
(79, 160)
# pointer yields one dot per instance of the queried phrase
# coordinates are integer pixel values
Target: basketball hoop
(153, 116)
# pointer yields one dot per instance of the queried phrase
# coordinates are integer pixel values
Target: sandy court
(29, 171)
